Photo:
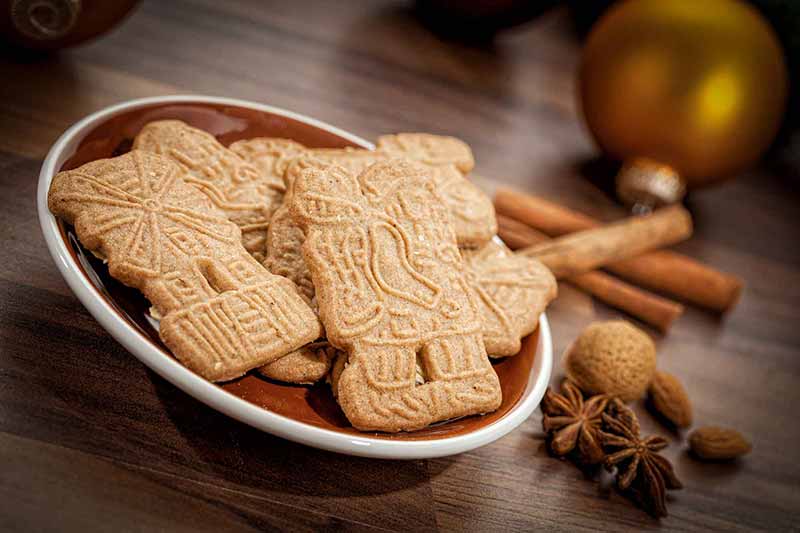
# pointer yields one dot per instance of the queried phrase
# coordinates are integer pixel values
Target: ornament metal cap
(645, 182)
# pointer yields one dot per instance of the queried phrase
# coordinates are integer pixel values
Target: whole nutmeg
(669, 398)
(614, 358)
(713, 443)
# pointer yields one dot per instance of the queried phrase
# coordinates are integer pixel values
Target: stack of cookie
(374, 268)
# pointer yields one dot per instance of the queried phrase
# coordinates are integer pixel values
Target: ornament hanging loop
(645, 184)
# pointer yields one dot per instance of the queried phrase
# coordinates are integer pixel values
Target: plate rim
(214, 396)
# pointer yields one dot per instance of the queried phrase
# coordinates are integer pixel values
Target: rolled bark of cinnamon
(586, 250)
(662, 271)
(649, 308)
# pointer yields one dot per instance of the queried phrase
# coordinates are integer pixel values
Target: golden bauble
(699, 85)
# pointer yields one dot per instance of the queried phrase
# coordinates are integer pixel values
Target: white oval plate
(168, 368)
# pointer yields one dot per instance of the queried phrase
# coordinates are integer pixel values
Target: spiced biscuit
(339, 360)
(471, 210)
(223, 313)
(448, 159)
(246, 196)
(304, 366)
(285, 240)
(338, 364)
(431, 150)
(268, 154)
(391, 290)
(312, 362)
(285, 237)
(285, 258)
(512, 291)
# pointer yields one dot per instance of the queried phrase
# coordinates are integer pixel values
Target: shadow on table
(247, 456)
(714, 474)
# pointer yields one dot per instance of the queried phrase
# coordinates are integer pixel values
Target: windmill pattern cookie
(391, 291)
(512, 292)
(248, 197)
(223, 313)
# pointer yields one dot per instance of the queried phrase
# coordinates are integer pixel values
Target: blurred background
(628, 75)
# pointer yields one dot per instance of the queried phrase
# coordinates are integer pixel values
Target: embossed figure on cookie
(512, 292)
(248, 197)
(223, 313)
(285, 237)
(268, 154)
(448, 159)
(391, 292)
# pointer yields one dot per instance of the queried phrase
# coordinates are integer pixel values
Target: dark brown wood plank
(86, 432)
(57, 489)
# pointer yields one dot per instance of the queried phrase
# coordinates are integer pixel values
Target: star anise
(640, 468)
(574, 423)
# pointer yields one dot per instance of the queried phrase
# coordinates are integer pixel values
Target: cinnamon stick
(662, 271)
(647, 307)
(586, 250)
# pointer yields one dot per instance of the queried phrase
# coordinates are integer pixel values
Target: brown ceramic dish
(305, 414)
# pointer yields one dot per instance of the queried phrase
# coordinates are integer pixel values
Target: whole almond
(669, 398)
(614, 358)
(714, 443)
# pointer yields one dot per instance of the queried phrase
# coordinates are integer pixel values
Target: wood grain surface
(92, 440)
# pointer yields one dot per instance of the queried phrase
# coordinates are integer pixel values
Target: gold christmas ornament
(685, 92)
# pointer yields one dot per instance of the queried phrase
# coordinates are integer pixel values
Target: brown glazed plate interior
(313, 405)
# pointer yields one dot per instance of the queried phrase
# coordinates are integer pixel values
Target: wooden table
(90, 439)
